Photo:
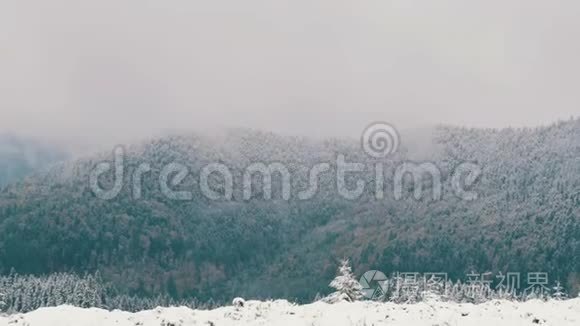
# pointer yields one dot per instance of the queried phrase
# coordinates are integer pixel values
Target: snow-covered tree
(558, 292)
(432, 289)
(347, 287)
(2, 303)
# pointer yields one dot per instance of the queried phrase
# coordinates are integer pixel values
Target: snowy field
(496, 313)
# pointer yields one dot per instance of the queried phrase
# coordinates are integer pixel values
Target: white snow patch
(281, 312)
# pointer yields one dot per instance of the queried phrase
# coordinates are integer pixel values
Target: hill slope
(526, 218)
(20, 157)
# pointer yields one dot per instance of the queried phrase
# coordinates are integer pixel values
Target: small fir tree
(347, 287)
(558, 292)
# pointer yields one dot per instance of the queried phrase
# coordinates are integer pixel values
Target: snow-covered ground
(496, 313)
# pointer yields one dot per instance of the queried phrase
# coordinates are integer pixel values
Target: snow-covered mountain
(526, 218)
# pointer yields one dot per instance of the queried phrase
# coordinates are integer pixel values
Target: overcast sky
(107, 69)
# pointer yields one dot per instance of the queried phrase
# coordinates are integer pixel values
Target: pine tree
(347, 287)
(558, 292)
(432, 289)
(3, 305)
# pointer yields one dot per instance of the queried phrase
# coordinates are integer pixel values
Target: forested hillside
(20, 157)
(525, 219)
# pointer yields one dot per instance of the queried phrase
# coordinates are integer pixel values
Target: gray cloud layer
(108, 69)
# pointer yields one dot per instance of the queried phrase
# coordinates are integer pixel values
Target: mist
(106, 71)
